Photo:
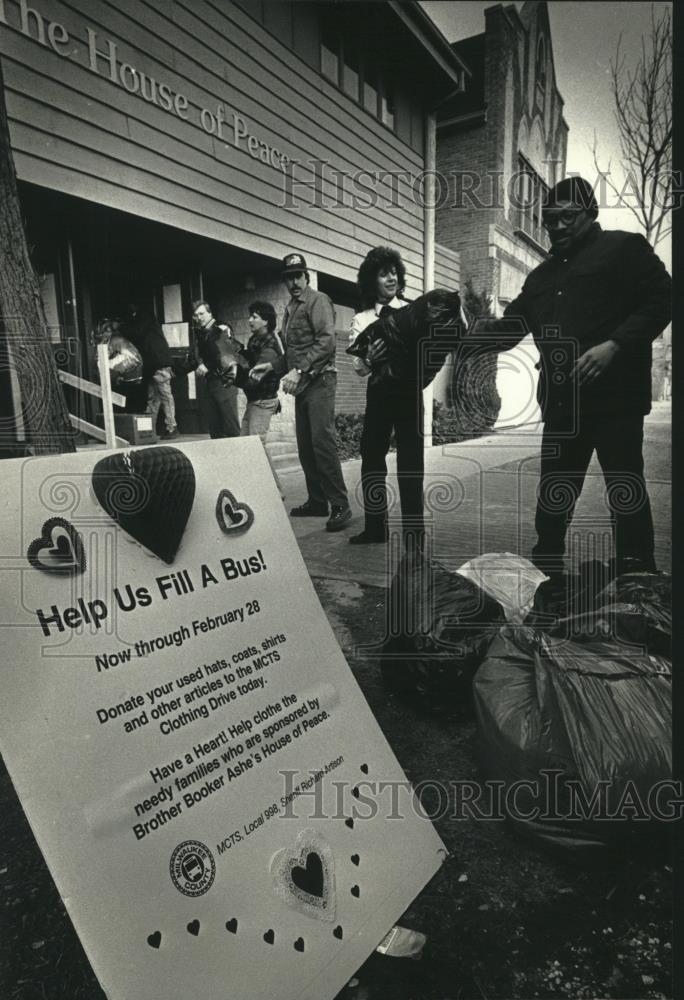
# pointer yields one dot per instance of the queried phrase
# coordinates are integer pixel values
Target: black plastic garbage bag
(580, 737)
(634, 610)
(644, 595)
(439, 627)
(571, 594)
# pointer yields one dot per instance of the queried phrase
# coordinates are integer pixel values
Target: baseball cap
(294, 262)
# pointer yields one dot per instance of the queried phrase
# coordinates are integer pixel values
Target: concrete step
(283, 461)
(280, 447)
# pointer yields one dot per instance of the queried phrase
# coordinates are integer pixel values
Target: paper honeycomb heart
(149, 493)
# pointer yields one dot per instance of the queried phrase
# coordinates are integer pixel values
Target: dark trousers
(218, 406)
(315, 427)
(395, 407)
(618, 442)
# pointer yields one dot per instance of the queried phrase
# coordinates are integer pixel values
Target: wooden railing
(104, 392)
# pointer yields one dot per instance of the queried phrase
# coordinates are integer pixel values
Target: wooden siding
(77, 131)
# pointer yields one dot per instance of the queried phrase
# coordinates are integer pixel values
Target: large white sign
(214, 798)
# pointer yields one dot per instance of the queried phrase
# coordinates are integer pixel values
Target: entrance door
(174, 294)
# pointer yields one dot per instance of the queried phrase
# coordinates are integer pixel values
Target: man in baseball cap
(309, 335)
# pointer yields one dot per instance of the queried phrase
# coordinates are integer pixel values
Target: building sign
(102, 55)
(211, 792)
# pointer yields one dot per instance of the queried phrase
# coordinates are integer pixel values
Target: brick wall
(447, 267)
(462, 220)
(351, 388)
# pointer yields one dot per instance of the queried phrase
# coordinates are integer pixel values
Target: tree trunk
(34, 417)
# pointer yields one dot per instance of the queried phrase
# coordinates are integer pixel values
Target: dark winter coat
(145, 333)
(610, 286)
(262, 348)
(217, 349)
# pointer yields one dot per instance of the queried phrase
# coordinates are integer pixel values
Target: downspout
(430, 158)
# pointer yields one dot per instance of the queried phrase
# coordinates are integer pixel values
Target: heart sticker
(58, 550)
(149, 493)
(304, 876)
(233, 517)
(154, 940)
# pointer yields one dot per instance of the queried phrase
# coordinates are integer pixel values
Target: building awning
(445, 71)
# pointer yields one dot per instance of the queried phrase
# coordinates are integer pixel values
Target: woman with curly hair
(395, 406)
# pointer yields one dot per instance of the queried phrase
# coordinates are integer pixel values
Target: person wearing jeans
(309, 334)
(265, 357)
(159, 394)
(146, 335)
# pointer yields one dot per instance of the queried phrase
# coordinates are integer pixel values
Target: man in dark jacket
(594, 307)
(144, 332)
(216, 367)
(309, 335)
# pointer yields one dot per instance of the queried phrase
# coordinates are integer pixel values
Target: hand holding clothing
(377, 351)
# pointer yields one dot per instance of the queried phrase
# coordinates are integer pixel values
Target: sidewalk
(480, 496)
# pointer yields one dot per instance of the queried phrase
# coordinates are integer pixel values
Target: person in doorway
(216, 364)
(146, 335)
(309, 335)
(124, 359)
(604, 296)
(259, 380)
(390, 406)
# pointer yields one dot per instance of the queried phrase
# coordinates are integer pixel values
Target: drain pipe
(430, 158)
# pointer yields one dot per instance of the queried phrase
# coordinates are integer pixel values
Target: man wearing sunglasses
(594, 308)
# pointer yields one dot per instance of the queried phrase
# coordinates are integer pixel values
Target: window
(355, 69)
(540, 71)
(330, 64)
(350, 71)
(370, 91)
(387, 113)
(530, 191)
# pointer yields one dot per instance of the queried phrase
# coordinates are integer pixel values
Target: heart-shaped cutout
(194, 927)
(355, 891)
(355, 792)
(154, 940)
(269, 937)
(310, 878)
(338, 933)
(149, 492)
(350, 823)
(299, 944)
(58, 550)
(304, 877)
(355, 859)
(364, 768)
(232, 925)
(232, 517)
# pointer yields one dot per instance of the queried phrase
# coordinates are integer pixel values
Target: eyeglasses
(567, 216)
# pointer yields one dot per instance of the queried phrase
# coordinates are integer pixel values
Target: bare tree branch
(643, 114)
